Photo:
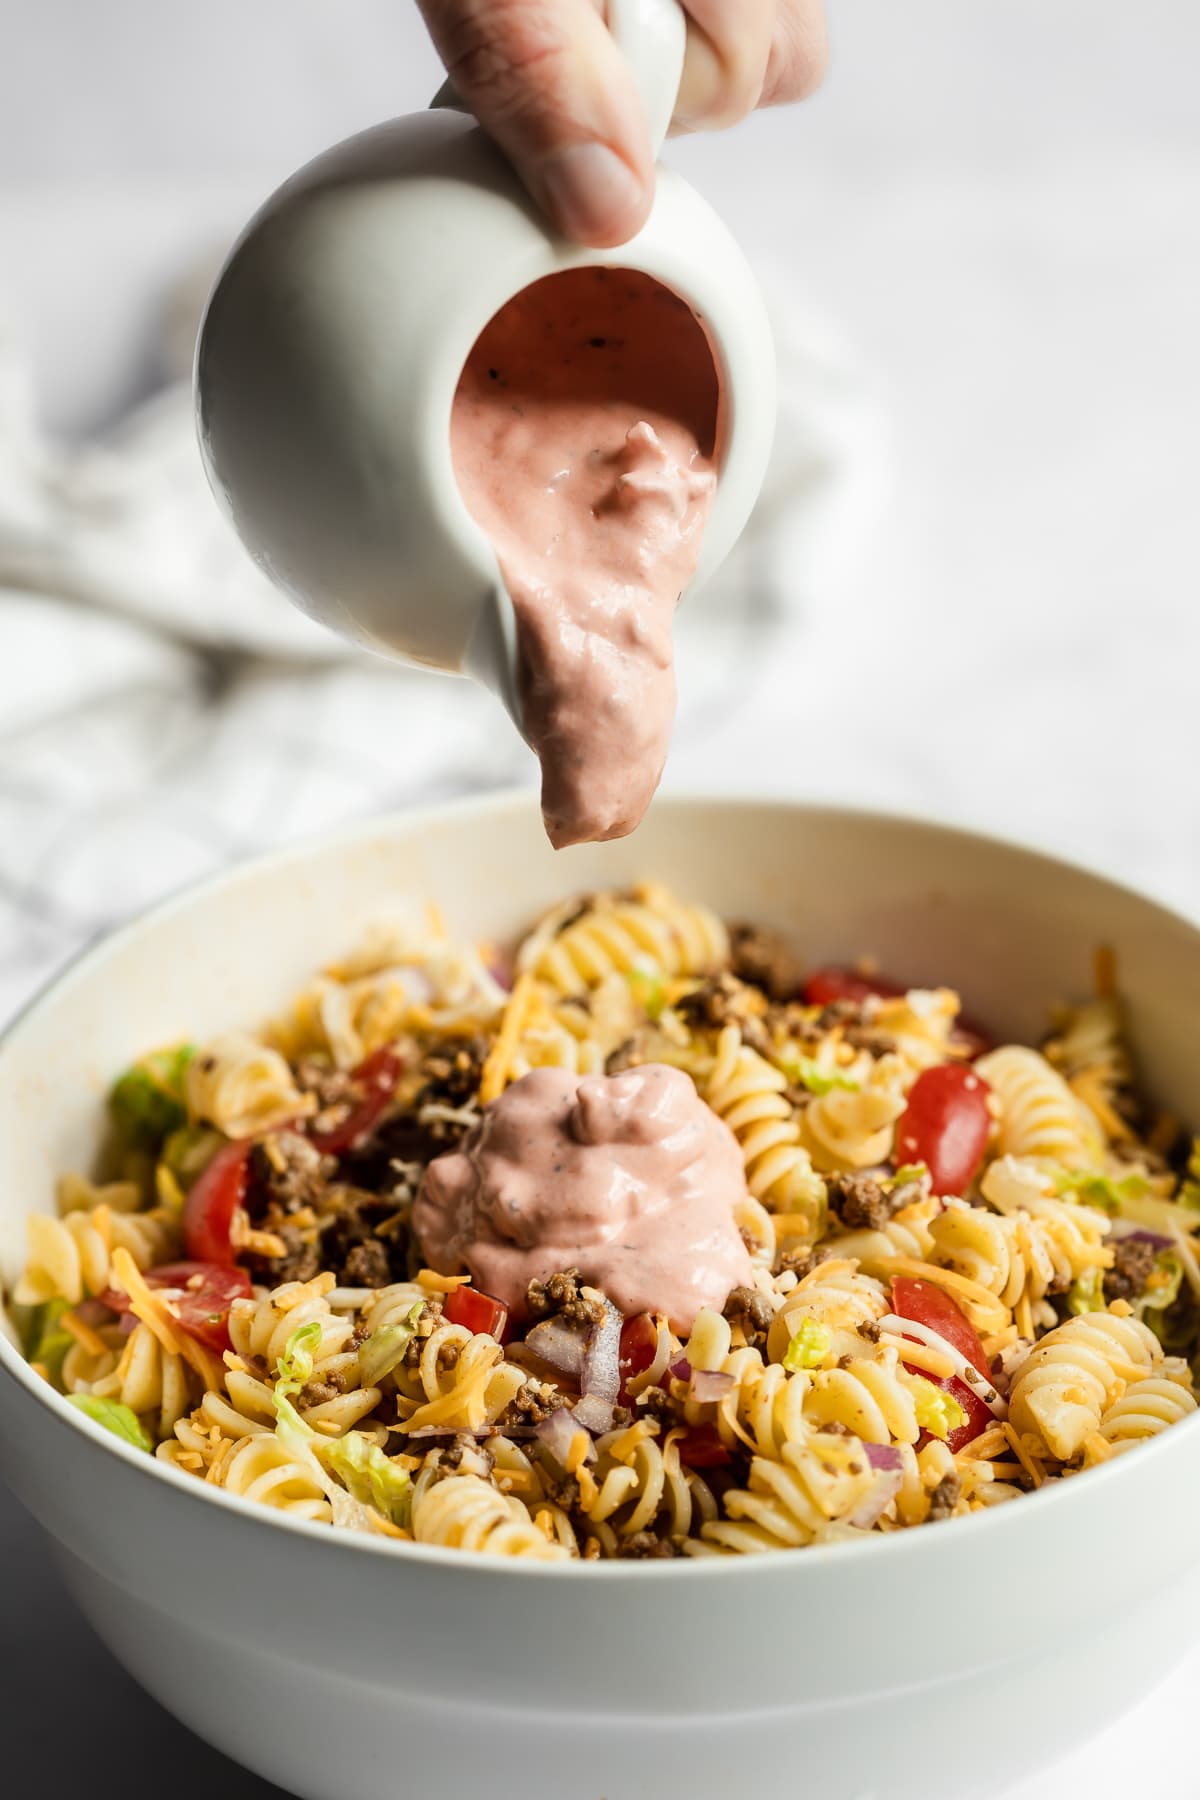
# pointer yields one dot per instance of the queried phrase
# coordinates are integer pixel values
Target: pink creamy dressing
(629, 1178)
(583, 437)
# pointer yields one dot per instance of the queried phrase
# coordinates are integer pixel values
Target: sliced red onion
(93, 1312)
(883, 1456)
(878, 1497)
(594, 1414)
(709, 1385)
(559, 1344)
(1154, 1238)
(601, 1371)
(558, 1433)
(127, 1324)
(680, 1369)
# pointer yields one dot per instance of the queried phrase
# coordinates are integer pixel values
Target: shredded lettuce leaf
(116, 1417)
(1161, 1292)
(1189, 1194)
(369, 1476)
(47, 1343)
(187, 1152)
(808, 1348)
(938, 1412)
(648, 990)
(385, 1347)
(1087, 1293)
(147, 1102)
(295, 1366)
(802, 1071)
(910, 1172)
(1105, 1192)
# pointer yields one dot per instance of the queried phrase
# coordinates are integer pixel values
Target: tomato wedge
(945, 1126)
(639, 1347)
(376, 1076)
(932, 1306)
(203, 1295)
(215, 1196)
(824, 986)
(477, 1312)
(700, 1447)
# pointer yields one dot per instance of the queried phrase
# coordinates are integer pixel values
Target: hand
(547, 81)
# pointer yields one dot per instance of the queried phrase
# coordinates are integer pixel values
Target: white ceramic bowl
(941, 1662)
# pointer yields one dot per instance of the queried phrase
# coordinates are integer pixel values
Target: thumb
(548, 84)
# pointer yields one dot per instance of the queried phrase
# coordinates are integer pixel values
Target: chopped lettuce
(369, 1476)
(115, 1416)
(1189, 1193)
(49, 1342)
(147, 1102)
(938, 1412)
(808, 1348)
(295, 1366)
(187, 1152)
(1161, 1292)
(910, 1172)
(648, 990)
(1087, 1292)
(1108, 1193)
(804, 1072)
(385, 1347)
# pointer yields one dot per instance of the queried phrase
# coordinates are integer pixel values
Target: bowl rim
(984, 1525)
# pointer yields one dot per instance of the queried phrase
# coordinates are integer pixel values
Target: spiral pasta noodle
(1039, 1115)
(1067, 1382)
(1143, 1410)
(464, 1512)
(748, 1093)
(616, 934)
(242, 1086)
(71, 1258)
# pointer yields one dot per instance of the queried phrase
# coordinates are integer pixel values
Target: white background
(999, 205)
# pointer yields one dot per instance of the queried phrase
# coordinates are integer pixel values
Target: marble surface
(1000, 208)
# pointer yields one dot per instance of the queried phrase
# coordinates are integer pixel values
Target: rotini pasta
(875, 1285)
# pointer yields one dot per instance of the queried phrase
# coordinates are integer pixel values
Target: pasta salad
(642, 1240)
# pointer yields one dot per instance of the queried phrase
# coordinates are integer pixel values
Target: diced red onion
(601, 1371)
(680, 1369)
(560, 1345)
(594, 1414)
(883, 1456)
(710, 1384)
(93, 1312)
(558, 1432)
(878, 1497)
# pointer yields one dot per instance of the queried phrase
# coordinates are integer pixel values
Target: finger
(546, 81)
(728, 51)
(799, 53)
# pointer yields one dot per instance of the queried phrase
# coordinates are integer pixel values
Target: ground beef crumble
(750, 1310)
(944, 1498)
(1133, 1264)
(724, 1000)
(644, 1545)
(765, 959)
(565, 1295)
(861, 1203)
(290, 1172)
(530, 1405)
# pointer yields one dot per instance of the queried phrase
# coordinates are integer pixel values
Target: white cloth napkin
(163, 709)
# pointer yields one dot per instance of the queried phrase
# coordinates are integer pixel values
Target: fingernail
(591, 194)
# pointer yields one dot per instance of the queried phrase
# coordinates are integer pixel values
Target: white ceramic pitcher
(334, 340)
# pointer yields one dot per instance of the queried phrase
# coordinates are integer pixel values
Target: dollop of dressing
(629, 1178)
(583, 442)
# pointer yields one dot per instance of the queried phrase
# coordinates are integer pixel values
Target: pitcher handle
(652, 37)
